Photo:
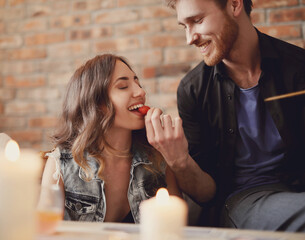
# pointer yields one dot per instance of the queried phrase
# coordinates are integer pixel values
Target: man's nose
(191, 37)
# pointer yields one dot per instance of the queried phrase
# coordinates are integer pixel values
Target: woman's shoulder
(60, 153)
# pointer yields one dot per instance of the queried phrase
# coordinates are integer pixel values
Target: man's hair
(222, 3)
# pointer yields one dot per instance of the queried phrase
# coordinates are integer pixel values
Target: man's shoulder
(287, 51)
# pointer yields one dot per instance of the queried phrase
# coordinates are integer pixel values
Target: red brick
(57, 65)
(19, 67)
(39, 10)
(38, 94)
(149, 72)
(7, 94)
(108, 4)
(43, 122)
(21, 108)
(56, 107)
(2, 27)
(164, 40)
(59, 79)
(26, 53)
(2, 56)
(83, 34)
(29, 25)
(287, 15)
(183, 54)
(90, 5)
(10, 41)
(25, 82)
(258, 17)
(69, 49)
(135, 28)
(170, 24)
(70, 21)
(12, 13)
(12, 122)
(158, 11)
(60, 7)
(119, 44)
(117, 16)
(44, 38)
(145, 57)
(168, 84)
(172, 111)
(166, 70)
(124, 3)
(2, 3)
(15, 2)
(36, 1)
(274, 3)
(282, 31)
(1, 108)
(26, 135)
(101, 32)
(173, 69)
(149, 85)
(162, 101)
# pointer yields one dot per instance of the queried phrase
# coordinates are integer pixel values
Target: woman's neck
(121, 141)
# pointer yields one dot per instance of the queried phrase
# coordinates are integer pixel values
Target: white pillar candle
(163, 217)
(19, 174)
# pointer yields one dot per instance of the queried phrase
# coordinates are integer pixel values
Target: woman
(102, 154)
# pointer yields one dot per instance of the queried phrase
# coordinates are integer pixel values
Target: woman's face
(126, 94)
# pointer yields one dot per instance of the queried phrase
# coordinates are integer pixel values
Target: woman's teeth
(134, 107)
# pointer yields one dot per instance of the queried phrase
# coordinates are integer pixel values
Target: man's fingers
(156, 124)
(178, 129)
(150, 133)
(168, 126)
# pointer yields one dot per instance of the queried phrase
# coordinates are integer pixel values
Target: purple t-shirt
(260, 148)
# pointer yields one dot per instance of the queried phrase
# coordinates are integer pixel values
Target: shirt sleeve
(190, 112)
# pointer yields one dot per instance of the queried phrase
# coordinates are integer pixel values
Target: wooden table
(120, 231)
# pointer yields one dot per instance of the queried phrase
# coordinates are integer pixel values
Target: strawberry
(143, 110)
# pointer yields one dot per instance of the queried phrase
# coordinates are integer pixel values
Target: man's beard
(224, 43)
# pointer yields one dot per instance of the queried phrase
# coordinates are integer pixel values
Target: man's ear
(236, 7)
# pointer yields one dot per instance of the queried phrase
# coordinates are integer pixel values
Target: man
(251, 150)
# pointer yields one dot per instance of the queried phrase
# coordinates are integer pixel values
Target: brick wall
(43, 41)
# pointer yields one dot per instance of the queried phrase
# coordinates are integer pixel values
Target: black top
(128, 218)
(206, 105)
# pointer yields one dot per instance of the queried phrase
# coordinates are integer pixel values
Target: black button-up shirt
(206, 104)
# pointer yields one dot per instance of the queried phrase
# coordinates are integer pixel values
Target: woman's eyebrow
(124, 78)
(121, 78)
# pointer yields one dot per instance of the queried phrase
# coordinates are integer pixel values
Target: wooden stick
(287, 95)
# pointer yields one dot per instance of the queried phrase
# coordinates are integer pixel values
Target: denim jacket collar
(139, 157)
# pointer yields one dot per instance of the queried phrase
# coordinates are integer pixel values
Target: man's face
(208, 27)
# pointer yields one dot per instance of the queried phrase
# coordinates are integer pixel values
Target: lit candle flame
(12, 151)
(162, 196)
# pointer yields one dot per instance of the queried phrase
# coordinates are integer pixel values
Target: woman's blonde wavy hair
(88, 114)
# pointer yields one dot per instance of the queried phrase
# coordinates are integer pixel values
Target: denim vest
(85, 200)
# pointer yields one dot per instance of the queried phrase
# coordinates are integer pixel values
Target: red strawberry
(143, 110)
